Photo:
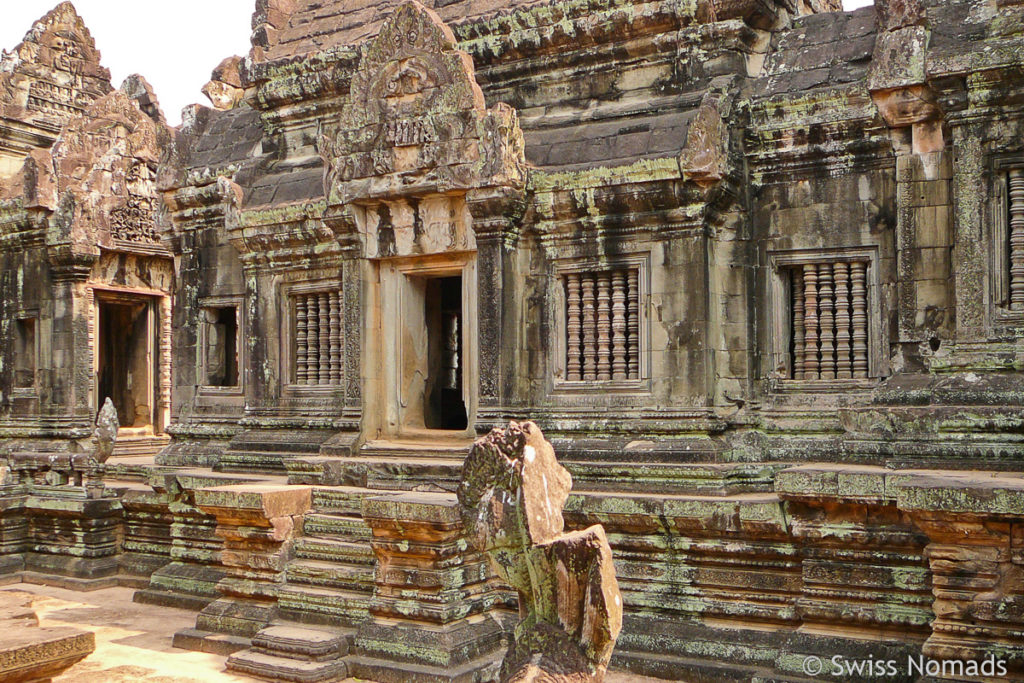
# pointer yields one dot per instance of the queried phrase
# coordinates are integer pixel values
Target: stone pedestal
(257, 524)
(188, 542)
(432, 615)
(975, 524)
(13, 533)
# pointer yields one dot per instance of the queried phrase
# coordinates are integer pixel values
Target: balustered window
(829, 327)
(317, 337)
(603, 326)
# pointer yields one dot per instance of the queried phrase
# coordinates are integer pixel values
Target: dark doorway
(445, 408)
(124, 363)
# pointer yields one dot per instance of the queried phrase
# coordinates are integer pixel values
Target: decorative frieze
(605, 306)
(318, 338)
(828, 305)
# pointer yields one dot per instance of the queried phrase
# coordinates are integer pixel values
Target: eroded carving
(415, 125)
(512, 493)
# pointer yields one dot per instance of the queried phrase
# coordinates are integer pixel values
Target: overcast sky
(175, 45)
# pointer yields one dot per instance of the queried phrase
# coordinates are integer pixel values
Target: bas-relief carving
(99, 178)
(414, 136)
(410, 227)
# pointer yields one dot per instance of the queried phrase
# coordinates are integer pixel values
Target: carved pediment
(98, 182)
(54, 74)
(415, 123)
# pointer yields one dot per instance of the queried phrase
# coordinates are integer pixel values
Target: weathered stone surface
(106, 431)
(432, 615)
(258, 524)
(51, 77)
(225, 89)
(753, 265)
(512, 494)
(30, 653)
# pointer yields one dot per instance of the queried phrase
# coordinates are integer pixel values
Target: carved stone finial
(705, 157)
(512, 492)
(105, 433)
(139, 89)
(225, 89)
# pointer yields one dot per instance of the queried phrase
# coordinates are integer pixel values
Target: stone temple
(755, 267)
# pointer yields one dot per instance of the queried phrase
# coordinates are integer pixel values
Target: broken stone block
(512, 494)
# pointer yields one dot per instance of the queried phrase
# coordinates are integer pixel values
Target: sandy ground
(133, 641)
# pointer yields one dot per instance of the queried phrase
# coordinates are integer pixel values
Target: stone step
(295, 441)
(139, 446)
(275, 668)
(674, 478)
(343, 500)
(331, 605)
(380, 473)
(329, 550)
(301, 642)
(254, 462)
(484, 668)
(448, 449)
(337, 527)
(358, 577)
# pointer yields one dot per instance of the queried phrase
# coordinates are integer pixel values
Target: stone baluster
(335, 304)
(633, 325)
(604, 328)
(589, 330)
(844, 348)
(811, 366)
(324, 363)
(1017, 239)
(301, 341)
(313, 324)
(827, 321)
(799, 332)
(858, 286)
(573, 329)
(619, 364)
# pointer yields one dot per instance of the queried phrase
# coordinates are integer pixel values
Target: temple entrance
(125, 367)
(421, 375)
(443, 405)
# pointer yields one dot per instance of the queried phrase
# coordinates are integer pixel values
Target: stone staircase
(267, 451)
(330, 578)
(291, 652)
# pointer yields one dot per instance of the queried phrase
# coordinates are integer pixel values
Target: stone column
(68, 386)
(258, 525)
(495, 219)
(924, 238)
(431, 615)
